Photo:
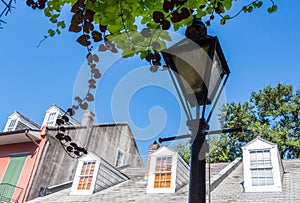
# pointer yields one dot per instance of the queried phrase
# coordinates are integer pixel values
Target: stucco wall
(30, 165)
(57, 167)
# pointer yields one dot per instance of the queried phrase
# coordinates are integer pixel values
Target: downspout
(29, 137)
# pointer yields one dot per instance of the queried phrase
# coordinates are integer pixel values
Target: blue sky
(261, 49)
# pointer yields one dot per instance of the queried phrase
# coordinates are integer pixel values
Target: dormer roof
(27, 119)
(94, 174)
(17, 121)
(260, 141)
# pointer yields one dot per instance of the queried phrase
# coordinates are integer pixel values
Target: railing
(7, 192)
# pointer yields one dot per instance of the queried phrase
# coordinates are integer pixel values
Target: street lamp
(199, 66)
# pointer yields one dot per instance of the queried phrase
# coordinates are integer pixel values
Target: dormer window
(94, 174)
(262, 166)
(260, 158)
(51, 119)
(163, 172)
(167, 171)
(86, 175)
(12, 125)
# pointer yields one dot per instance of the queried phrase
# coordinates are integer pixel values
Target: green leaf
(62, 25)
(226, 17)
(227, 4)
(259, 4)
(270, 10)
(222, 21)
(176, 26)
(51, 32)
(250, 9)
(274, 8)
(47, 12)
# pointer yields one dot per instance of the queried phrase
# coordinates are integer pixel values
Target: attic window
(51, 118)
(261, 167)
(12, 125)
(120, 158)
(86, 175)
(163, 172)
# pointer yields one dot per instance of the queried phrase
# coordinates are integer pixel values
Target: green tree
(183, 149)
(100, 20)
(271, 113)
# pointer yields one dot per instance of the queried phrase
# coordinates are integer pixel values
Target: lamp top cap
(198, 22)
(196, 30)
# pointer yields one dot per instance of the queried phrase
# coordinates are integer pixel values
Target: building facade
(21, 144)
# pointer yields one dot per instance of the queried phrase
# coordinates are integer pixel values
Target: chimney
(153, 147)
(88, 118)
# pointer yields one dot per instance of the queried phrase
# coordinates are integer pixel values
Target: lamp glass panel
(191, 66)
(215, 77)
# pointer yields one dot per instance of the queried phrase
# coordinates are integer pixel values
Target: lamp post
(199, 66)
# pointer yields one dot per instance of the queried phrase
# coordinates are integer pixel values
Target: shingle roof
(133, 190)
(231, 190)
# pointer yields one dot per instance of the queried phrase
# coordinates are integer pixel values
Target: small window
(51, 118)
(261, 167)
(260, 158)
(120, 158)
(262, 177)
(163, 172)
(12, 125)
(86, 175)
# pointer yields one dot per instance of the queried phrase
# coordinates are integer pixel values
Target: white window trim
(260, 144)
(74, 190)
(123, 158)
(261, 167)
(13, 127)
(151, 176)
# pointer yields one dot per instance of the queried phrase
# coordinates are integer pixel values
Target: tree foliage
(101, 20)
(183, 149)
(271, 113)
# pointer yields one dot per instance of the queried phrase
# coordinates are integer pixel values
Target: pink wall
(30, 165)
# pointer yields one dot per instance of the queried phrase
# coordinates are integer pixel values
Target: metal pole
(197, 187)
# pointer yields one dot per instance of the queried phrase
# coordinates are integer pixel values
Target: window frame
(11, 126)
(163, 171)
(51, 118)
(162, 152)
(76, 181)
(86, 174)
(119, 151)
(262, 164)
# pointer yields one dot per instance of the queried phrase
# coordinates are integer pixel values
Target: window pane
(120, 158)
(262, 177)
(163, 169)
(260, 158)
(86, 175)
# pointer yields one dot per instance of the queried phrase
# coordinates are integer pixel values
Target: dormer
(168, 172)
(17, 121)
(263, 170)
(53, 113)
(94, 174)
